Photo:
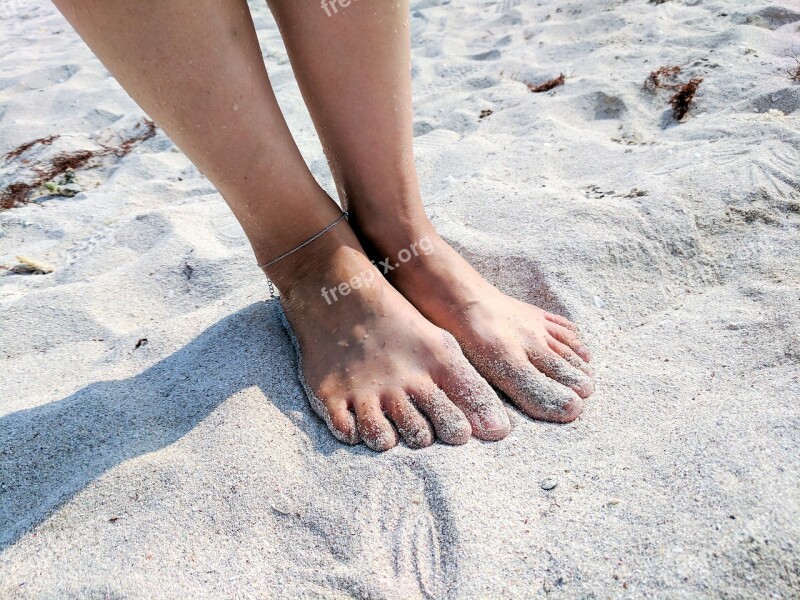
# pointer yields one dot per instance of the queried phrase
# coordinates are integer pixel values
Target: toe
(568, 354)
(559, 320)
(476, 399)
(374, 428)
(558, 369)
(341, 422)
(534, 393)
(413, 427)
(570, 338)
(451, 426)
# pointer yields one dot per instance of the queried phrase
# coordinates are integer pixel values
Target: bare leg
(354, 71)
(195, 66)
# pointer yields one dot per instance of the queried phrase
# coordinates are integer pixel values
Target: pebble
(70, 189)
(548, 484)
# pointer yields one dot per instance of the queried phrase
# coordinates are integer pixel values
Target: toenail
(571, 411)
(491, 421)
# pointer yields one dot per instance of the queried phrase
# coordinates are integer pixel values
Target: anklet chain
(300, 246)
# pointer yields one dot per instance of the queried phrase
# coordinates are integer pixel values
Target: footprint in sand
(786, 100)
(770, 17)
(42, 78)
(602, 106)
(413, 533)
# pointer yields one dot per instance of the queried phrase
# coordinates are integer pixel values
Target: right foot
(379, 370)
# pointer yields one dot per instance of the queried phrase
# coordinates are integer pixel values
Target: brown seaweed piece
(19, 192)
(547, 85)
(656, 78)
(794, 72)
(45, 141)
(681, 102)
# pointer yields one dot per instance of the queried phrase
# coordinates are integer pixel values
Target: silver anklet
(302, 245)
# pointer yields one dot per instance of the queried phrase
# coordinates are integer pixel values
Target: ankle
(321, 273)
(387, 232)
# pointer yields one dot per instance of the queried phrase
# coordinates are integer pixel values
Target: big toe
(559, 370)
(472, 394)
(534, 393)
(477, 400)
(451, 426)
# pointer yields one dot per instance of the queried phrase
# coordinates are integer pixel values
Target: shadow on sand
(49, 453)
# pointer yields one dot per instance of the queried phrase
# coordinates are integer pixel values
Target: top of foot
(379, 371)
(535, 357)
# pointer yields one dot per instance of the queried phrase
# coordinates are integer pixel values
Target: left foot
(535, 357)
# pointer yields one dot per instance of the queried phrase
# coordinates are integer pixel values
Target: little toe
(374, 428)
(553, 366)
(570, 338)
(413, 427)
(535, 394)
(477, 400)
(341, 422)
(451, 426)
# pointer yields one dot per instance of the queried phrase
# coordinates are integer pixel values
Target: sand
(192, 465)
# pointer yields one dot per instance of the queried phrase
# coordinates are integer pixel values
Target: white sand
(193, 467)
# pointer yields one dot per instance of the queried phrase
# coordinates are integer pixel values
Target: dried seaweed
(66, 162)
(794, 71)
(19, 150)
(656, 78)
(681, 102)
(17, 193)
(547, 85)
(148, 131)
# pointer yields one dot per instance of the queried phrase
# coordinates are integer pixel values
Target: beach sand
(155, 441)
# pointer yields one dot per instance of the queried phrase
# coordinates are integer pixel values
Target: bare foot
(377, 370)
(536, 358)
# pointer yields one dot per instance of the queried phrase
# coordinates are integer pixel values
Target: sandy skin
(534, 357)
(378, 371)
